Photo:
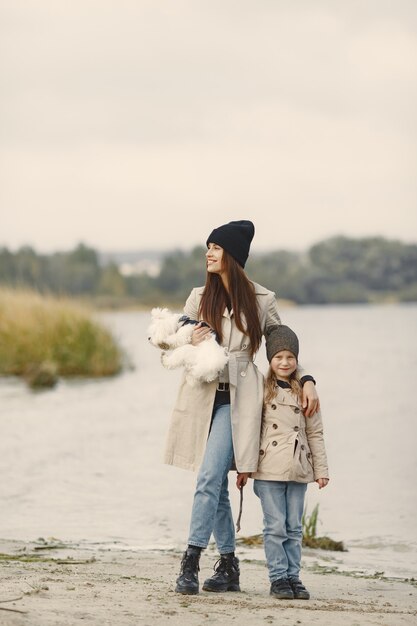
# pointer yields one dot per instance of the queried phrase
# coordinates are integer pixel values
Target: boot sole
(222, 589)
(186, 592)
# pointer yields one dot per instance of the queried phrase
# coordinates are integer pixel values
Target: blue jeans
(211, 511)
(282, 506)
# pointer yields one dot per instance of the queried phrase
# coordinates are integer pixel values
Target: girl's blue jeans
(282, 506)
(211, 511)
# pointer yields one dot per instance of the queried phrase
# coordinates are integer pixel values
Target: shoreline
(53, 584)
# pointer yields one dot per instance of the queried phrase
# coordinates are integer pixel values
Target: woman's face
(214, 256)
(283, 364)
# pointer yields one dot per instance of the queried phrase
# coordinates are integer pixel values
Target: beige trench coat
(191, 418)
(292, 446)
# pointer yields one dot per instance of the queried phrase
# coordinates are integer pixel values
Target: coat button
(243, 374)
(274, 425)
(244, 346)
(261, 451)
(274, 443)
(296, 410)
(303, 447)
(296, 428)
(273, 406)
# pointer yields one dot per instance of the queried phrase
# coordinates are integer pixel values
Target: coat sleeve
(314, 432)
(272, 319)
(191, 305)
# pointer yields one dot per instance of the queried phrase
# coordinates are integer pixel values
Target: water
(83, 462)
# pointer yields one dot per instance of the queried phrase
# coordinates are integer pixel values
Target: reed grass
(309, 523)
(310, 538)
(56, 336)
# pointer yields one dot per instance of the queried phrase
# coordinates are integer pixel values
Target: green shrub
(37, 330)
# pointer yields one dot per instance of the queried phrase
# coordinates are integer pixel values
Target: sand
(126, 588)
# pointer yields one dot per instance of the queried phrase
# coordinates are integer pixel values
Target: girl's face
(214, 256)
(283, 364)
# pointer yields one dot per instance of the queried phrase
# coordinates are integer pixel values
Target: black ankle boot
(226, 577)
(187, 581)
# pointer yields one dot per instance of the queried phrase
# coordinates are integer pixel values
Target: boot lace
(220, 565)
(190, 563)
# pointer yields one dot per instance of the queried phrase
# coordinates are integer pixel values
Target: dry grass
(55, 334)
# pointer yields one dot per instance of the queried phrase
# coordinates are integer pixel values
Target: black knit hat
(235, 238)
(281, 338)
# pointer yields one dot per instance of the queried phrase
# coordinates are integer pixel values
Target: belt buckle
(222, 386)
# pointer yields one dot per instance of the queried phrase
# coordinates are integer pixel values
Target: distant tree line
(336, 270)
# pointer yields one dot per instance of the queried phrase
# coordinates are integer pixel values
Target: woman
(216, 424)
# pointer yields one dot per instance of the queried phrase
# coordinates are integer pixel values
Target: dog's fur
(172, 333)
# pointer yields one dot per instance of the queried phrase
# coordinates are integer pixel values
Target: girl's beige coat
(292, 446)
(190, 423)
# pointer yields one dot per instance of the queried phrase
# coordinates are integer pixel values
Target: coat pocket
(302, 467)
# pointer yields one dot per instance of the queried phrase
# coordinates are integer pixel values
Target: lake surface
(83, 462)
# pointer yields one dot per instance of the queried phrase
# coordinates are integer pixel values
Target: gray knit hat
(281, 338)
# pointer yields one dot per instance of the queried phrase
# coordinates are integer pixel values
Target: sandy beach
(124, 588)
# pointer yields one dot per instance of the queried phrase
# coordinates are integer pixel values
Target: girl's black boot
(187, 581)
(226, 577)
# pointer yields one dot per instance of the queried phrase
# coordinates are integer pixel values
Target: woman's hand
(242, 479)
(200, 333)
(322, 482)
(311, 402)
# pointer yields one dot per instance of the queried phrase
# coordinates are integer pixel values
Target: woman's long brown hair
(241, 297)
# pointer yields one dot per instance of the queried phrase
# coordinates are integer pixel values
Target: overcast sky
(131, 124)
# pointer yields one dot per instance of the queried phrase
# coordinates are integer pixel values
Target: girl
(214, 424)
(292, 454)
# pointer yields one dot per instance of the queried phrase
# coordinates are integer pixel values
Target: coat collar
(226, 312)
(286, 396)
(259, 291)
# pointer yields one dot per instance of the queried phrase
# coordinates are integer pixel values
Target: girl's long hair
(271, 385)
(241, 296)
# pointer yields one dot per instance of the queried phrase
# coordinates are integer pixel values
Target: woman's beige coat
(191, 418)
(292, 446)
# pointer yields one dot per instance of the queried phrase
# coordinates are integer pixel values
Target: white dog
(172, 332)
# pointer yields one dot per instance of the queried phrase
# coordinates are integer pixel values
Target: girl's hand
(311, 402)
(200, 333)
(242, 479)
(322, 482)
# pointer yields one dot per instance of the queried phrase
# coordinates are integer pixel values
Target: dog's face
(164, 323)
